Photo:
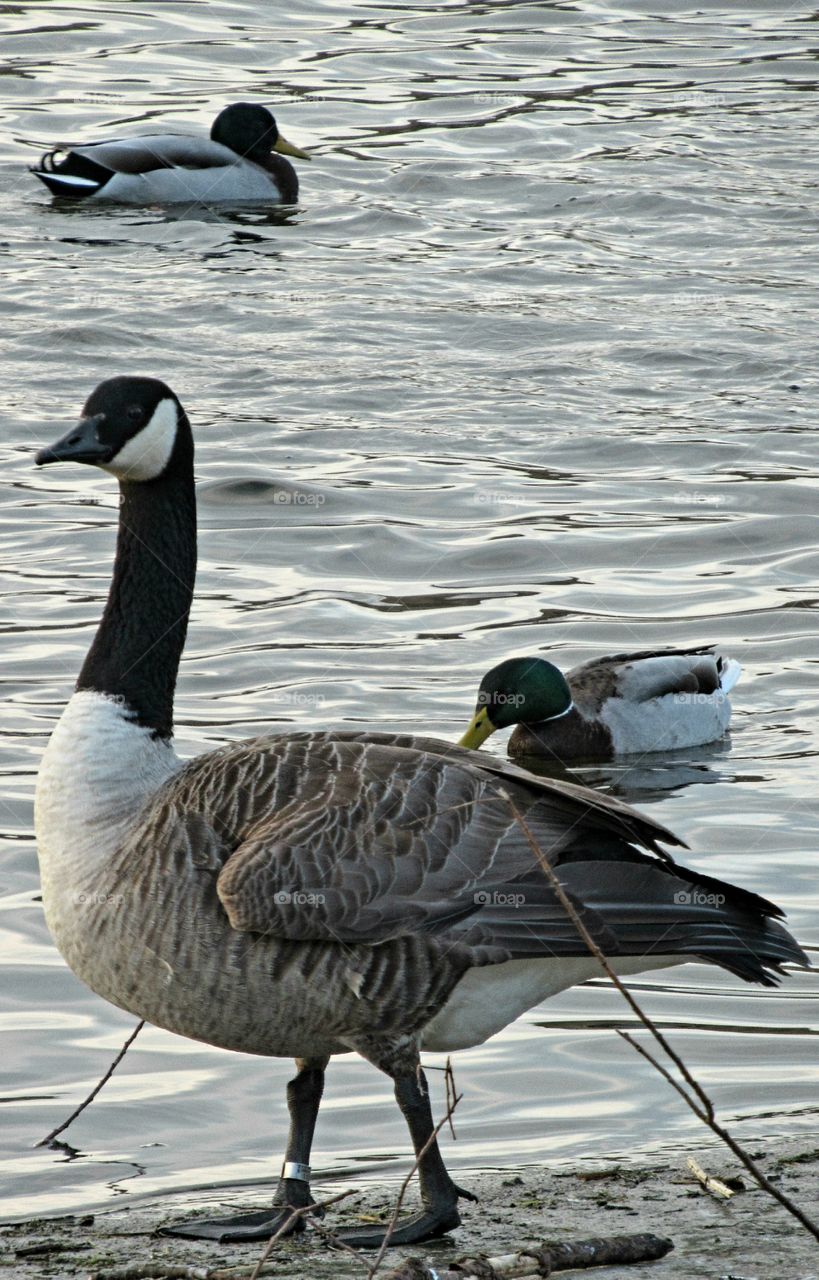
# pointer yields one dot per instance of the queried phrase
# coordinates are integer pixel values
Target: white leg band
(297, 1172)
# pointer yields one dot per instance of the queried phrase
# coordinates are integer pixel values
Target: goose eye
(134, 413)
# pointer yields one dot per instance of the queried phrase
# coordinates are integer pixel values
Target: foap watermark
(694, 99)
(499, 699)
(505, 298)
(296, 299)
(716, 698)
(698, 497)
(483, 898)
(297, 498)
(78, 309)
(94, 96)
(491, 498)
(492, 98)
(698, 898)
(300, 698)
(301, 96)
(298, 898)
(94, 899)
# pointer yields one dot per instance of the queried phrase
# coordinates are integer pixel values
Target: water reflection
(532, 336)
(640, 780)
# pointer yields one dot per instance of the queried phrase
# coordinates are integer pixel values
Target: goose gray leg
(439, 1194)
(293, 1192)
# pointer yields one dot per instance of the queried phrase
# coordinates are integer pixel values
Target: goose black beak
(80, 444)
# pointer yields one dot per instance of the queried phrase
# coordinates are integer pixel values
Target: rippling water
(532, 367)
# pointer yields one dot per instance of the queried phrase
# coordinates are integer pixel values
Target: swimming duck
(317, 893)
(242, 160)
(629, 703)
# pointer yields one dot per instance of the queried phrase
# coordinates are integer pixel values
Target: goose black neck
(136, 651)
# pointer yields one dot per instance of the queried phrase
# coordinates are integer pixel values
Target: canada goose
(316, 893)
(655, 700)
(242, 160)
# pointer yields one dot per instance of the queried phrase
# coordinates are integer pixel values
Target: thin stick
(715, 1185)
(705, 1110)
(92, 1095)
(288, 1223)
(449, 1081)
(327, 1234)
(405, 1184)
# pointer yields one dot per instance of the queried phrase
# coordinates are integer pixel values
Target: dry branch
(92, 1095)
(544, 1260)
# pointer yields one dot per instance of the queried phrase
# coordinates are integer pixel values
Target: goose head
(517, 691)
(134, 428)
(251, 131)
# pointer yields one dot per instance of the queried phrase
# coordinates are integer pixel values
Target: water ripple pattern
(532, 367)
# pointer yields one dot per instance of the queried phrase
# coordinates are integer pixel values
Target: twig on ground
(549, 1257)
(712, 1184)
(328, 1234)
(700, 1103)
(451, 1091)
(92, 1095)
(288, 1223)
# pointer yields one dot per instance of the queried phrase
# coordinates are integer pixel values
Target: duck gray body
(314, 893)
(242, 160)
(636, 703)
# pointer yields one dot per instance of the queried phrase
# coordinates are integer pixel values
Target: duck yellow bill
(479, 730)
(287, 149)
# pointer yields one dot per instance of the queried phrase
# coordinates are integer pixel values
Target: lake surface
(531, 368)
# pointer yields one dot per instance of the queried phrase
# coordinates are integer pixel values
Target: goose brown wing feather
(359, 839)
(319, 838)
(600, 811)
(394, 841)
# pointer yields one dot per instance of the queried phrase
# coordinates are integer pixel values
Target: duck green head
(250, 130)
(518, 691)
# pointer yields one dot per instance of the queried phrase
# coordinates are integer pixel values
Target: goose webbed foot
(250, 1226)
(303, 1098)
(242, 1226)
(425, 1225)
(439, 1194)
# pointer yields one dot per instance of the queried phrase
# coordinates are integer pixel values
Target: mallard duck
(629, 703)
(318, 893)
(242, 160)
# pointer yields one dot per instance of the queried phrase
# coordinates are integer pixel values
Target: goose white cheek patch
(145, 456)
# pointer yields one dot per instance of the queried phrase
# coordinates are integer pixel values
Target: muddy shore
(747, 1238)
